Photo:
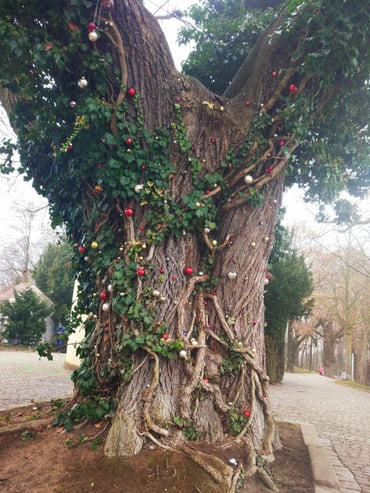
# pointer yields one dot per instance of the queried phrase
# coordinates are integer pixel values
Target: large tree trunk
(221, 327)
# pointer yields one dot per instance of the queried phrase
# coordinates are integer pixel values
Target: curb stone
(324, 475)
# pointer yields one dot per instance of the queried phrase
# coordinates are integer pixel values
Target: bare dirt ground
(38, 458)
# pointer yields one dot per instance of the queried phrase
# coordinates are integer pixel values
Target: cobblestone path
(25, 378)
(341, 416)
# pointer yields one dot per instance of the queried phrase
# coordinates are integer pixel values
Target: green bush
(25, 318)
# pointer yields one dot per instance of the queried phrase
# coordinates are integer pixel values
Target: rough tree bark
(232, 316)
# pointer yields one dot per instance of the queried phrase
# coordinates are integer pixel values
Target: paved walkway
(24, 378)
(341, 416)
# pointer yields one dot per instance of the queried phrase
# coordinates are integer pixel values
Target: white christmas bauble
(156, 293)
(182, 353)
(194, 342)
(207, 230)
(82, 83)
(138, 188)
(105, 307)
(248, 179)
(110, 288)
(93, 36)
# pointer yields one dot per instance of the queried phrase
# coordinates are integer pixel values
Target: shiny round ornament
(131, 91)
(138, 188)
(105, 307)
(93, 36)
(188, 270)
(82, 83)
(182, 354)
(248, 179)
(94, 245)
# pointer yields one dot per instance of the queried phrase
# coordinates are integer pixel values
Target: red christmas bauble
(293, 88)
(131, 91)
(274, 73)
(213, 141)
(128, 212)
(247, 413)
(81, 249)
(103, 296)
(165, 336)
(128, 141)
(188, 271)
(248, 104)
(140, 271)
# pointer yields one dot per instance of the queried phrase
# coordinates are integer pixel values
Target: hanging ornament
(188, 271)
(254, 322)
(72, 104)
(248, 179)
(140, 271)
(98, 188)
(247, 413)
(94, 245)
(81, 249)
(293, 88)
(128, 212)
(182, 354)
(194, 342)
(156, 293)
(274, 73)
(248, 104)
(282, 143)
(82, 83)
(269, 170)
(131, 91)
(231, 275)
(165, 336)
(110, 288)
(107, 4)
(103, 296)
(105, 307)
(138, 188)
(93, 36)
(128, 141)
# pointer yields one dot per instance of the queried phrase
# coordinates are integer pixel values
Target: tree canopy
(287, 298)
(333, 152)
(53, 276)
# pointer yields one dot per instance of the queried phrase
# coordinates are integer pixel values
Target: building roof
(8, 293)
